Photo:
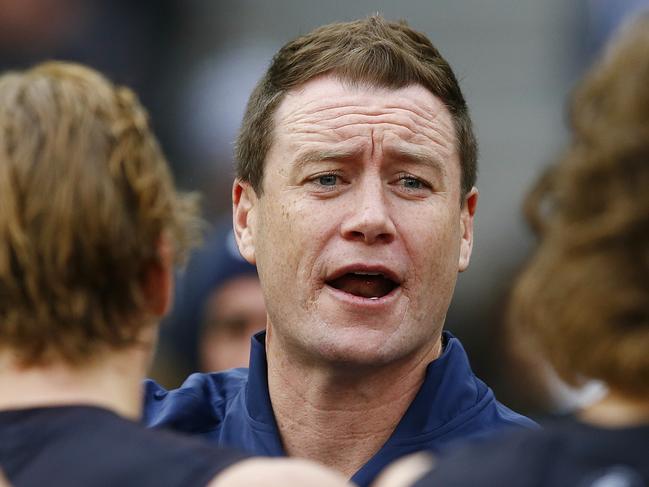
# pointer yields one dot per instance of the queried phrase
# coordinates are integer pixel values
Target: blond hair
(584, 299)
(85, 196)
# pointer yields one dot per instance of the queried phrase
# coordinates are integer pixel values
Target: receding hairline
(344, 150)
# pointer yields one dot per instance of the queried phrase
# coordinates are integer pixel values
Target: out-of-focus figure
(233, 311)
(3, 481)
(218, 306)
(583, 300)
(90, 228)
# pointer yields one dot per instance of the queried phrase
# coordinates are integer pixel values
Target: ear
(158, 284)
(244, 208)
(467, 213)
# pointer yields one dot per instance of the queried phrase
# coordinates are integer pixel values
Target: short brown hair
(372, 50)
(584, 299)
(85, 195)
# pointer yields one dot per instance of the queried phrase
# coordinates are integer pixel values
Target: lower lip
(352, 299)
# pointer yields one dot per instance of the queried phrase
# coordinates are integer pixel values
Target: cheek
(306, 224)
(433, 244)
(433, 229)
(288, 241)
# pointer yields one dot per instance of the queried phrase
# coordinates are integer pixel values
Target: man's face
(360, 231)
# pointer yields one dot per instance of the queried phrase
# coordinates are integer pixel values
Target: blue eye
(411, 183)
(328, 180)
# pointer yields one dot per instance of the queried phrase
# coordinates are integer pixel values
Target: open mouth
(369, 285)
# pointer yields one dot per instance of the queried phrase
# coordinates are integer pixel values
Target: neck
(617, 410)
(336, 417)
(112, 382)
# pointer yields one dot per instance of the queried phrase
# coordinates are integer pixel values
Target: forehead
(329, 111)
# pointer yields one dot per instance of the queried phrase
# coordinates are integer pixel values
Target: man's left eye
(411, 183)
(328, 180)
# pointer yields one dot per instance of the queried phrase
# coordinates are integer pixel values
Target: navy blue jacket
(233, 408)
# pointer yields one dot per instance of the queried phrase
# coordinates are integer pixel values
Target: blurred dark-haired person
(218, 307)
(90, 227)
(355, 197)
(233, 311)
(583, 300)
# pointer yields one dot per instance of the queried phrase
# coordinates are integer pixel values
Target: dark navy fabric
(85, 446)
(564, 453)
(233, 408)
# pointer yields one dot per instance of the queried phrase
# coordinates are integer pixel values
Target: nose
(369, 219)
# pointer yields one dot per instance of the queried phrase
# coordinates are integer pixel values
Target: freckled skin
(362, 201)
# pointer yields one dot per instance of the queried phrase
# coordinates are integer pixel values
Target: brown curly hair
(85, 195)
(371, 50)
(583, 300)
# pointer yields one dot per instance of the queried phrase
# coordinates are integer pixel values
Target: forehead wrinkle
(438, 129)
(332, 113)
(316, 95)
(362, 103)
(424, 123)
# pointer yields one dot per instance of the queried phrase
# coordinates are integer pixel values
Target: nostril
(369, 237)
(369, 226)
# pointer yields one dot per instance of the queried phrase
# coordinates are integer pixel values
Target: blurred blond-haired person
(90, 227)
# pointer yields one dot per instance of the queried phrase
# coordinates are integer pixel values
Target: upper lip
(361, 267)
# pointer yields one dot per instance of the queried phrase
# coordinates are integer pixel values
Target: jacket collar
(449, 388)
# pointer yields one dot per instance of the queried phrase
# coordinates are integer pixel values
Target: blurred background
(194, 63)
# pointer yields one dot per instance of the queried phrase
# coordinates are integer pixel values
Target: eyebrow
(411, 155)
(319, 155)
(415, 155)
